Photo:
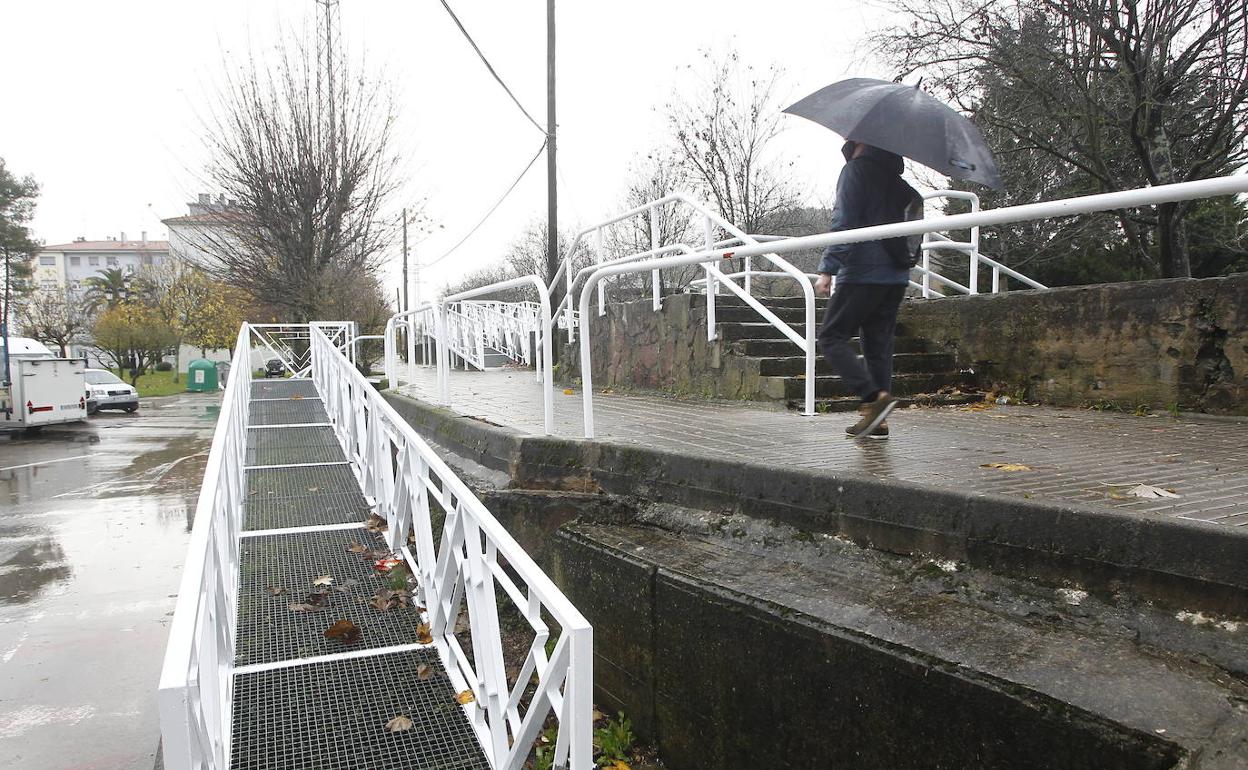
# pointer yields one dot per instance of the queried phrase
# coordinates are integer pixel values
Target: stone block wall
(1167, 343)
(635, 347)
(1164, 344)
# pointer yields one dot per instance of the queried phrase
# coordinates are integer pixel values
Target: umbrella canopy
(902, 119)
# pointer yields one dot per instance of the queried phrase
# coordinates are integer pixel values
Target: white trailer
(45, 390)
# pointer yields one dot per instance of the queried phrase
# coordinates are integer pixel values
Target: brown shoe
(872, 417)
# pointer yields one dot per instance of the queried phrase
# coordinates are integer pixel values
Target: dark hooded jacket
(870, 191)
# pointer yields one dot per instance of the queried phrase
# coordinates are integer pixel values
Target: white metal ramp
(317, 513)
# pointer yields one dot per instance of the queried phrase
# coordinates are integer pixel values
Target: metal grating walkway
(297, 702)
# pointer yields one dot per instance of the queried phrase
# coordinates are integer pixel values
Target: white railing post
(656, 283)
(711, 287)
(602, 289)
(927, 271)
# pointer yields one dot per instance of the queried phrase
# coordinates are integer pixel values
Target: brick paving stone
(1075, 455)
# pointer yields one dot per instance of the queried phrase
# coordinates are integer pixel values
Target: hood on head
(891, 161)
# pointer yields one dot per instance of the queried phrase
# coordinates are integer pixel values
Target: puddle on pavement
(34, 567)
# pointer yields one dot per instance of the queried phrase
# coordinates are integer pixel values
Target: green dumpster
(201, 376)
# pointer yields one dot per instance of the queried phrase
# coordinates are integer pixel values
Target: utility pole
(552, 215)
(4, 332)
(405, 307)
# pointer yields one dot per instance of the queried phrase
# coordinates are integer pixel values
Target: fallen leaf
(375, 523)
(399, 724)
(302, 607)
(597, 715)
(465, 697)
(314, 489)
(345, 630)
(384, 599)
(275, 590)
(1148, 492)
(569, 392)
(316, 598)
(386, 564)
(1007, 466)
(619, 764)
(296, 397)
(357, 548)
(323, 580)
(422, 634)
(424, 671)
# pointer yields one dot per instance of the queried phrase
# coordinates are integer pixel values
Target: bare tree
(306, 163)
(723, 129)
(525, 256)
(1094, 95)
(658, 174)
(55, 316)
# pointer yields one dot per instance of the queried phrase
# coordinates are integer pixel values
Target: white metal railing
(508, 327)
(1147, 196)
(545, 355)
(419, 329)
(290, 343)
(714, 279)
(196, 682)
(474, 564)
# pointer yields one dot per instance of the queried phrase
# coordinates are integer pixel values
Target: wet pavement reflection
(94, 522)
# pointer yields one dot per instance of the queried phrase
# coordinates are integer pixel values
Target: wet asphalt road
(94, 522)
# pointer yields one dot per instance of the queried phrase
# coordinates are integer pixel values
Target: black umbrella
(902, 119)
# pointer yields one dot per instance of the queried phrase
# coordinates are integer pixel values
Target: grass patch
(156, 383)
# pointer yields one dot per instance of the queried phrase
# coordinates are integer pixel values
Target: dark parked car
(274, 368)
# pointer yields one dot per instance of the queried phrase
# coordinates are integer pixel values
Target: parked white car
(110, 391)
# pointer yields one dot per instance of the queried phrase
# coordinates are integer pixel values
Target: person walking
(871, 280)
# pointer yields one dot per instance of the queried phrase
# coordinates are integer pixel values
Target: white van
(45, 390)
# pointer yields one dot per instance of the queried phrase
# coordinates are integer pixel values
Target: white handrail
(196, 680)
(1148, 196)
(806, 343)
(475, 556)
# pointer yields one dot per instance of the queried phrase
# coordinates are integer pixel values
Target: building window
(47, 261)
(93, 260)
(46, 284)
(112, 261)
(146, 258)
(75, 261)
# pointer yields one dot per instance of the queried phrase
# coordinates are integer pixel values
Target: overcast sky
(103, 100)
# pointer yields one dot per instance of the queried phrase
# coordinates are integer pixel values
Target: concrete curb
(1180, 562)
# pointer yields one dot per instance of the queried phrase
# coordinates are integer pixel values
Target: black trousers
(868, 311)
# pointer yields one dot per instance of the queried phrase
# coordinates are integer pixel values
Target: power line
(493, 208)
(490, 67)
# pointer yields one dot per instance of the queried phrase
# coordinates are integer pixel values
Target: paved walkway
(1070, 455)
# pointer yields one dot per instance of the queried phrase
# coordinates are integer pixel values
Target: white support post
(749, 274)
(656, 283)
(443, 355)
(712, 288)
(927, 272)
(602, 288)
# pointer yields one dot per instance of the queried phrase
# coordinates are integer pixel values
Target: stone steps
(920, 370)
(828, 386)
(783, 348)
(903, 363)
